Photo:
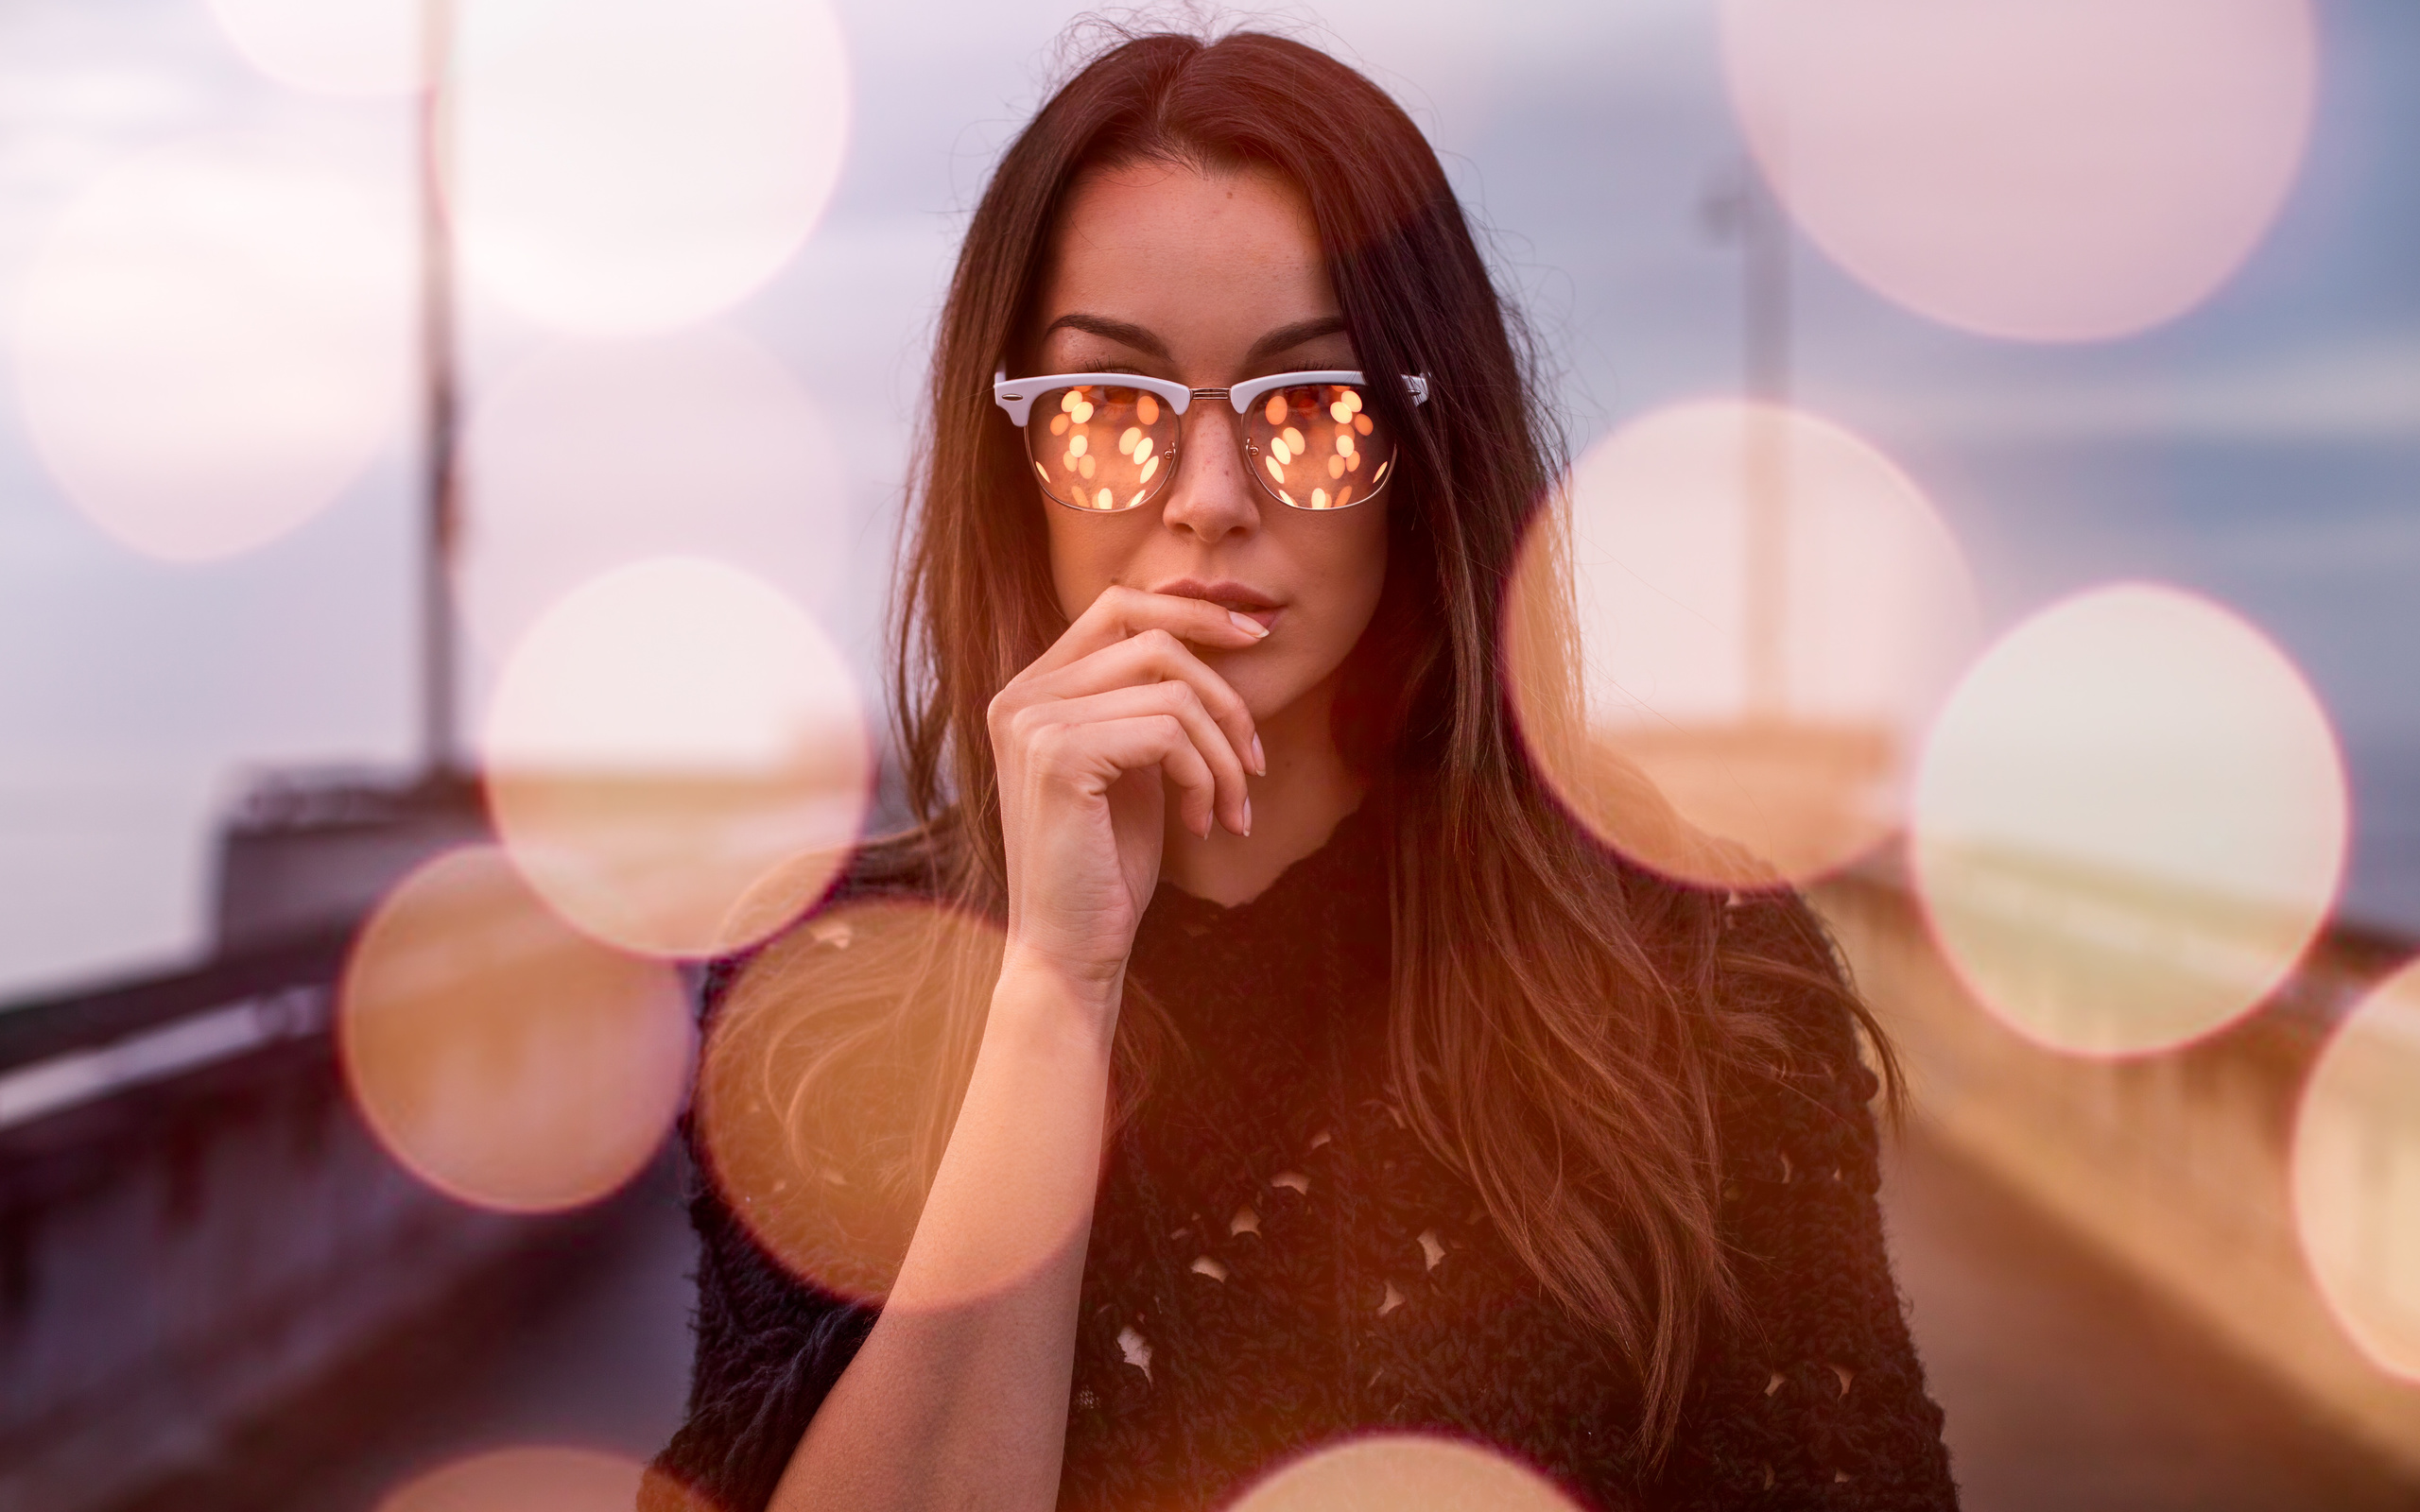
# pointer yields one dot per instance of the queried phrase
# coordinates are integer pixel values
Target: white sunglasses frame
(1017, 395)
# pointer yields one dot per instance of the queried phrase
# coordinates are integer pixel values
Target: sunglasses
(1107, 441)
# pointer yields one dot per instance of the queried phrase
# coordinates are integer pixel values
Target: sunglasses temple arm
(1019, 406)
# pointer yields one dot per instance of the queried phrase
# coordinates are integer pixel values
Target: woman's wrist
(1042, 996)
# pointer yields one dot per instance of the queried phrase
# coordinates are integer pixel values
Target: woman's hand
(1085, 738)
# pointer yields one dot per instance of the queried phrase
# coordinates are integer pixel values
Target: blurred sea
(103, 873)
(2382, 886)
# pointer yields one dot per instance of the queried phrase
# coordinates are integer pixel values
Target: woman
(1326, 1077)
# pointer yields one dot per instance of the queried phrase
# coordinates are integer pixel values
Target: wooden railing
(2175, 1165)
(194, 1223)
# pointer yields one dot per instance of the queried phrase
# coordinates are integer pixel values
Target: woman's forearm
(959, 1397)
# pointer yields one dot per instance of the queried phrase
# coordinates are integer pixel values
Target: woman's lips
(1234, 597)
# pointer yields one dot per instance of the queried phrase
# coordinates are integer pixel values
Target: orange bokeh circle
(212, 343)
(1405, 1472)
(2052, 170)
(667, 741)
(1763, 612)
(2130, 821)
(539, 1478)
(815, 1155)
(507, 1060)
(2356, 1174)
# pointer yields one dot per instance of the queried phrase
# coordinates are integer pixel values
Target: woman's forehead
(1199, 264)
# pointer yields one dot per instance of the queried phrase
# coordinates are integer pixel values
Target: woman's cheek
(1084, 563)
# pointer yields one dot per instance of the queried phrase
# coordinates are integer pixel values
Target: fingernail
(1259, 761)
(1248, 625)
(1247, 816)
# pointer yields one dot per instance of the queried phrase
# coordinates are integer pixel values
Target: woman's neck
(1295, 808)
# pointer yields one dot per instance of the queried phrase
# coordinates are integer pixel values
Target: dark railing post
(440, 419)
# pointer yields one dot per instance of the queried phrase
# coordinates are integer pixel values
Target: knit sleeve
(1814, 1398)
(770, 1348)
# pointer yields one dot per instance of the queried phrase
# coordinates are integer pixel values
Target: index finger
(1120, 613)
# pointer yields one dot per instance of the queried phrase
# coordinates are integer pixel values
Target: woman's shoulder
(1786, 1016)
(1778, 958)
(1807, 1061)
(909, 865)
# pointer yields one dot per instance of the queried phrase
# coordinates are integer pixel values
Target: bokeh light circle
(505, 1059)
(809, 1152)
(2356, 1174)
(637, 164)
(352, 47)
(593, 456)
(1405, 1472)
(2055, 170)
(540, 1478)
(1767, 611)
(2130, 821)
(214, 342)
(671, 739)
(368, 47)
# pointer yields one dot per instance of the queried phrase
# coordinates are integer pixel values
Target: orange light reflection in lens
(591, 457)
(1405, 1472)
(665, 742)
(815, 1164)
(2130, 821)
(637, 164)
(2055, 170)
(213, 343)
(504, 1058)
(1768, 614)
(2356, 1174)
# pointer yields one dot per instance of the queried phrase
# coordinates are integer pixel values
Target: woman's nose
(1211, 495)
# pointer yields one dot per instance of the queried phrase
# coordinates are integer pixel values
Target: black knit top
(1276, 1263)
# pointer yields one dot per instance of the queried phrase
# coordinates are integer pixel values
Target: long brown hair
(1561, 1020)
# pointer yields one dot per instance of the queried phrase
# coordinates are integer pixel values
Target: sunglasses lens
(1316, 447)
(1098, 446)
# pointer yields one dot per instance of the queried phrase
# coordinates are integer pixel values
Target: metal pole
(1764, 238)
(441, 406)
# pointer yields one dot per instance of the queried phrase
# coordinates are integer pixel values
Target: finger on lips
(1221, 767)
(1156, 657)
(1120, 613)
(1125, 682)
(1145, 740)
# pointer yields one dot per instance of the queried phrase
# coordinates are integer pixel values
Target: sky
(2263, 448)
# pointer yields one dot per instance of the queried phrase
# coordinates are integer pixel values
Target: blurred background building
(1995, 443)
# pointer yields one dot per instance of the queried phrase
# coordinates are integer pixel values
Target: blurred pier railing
(194, 1222)
(2176, 1164)
(195, 1226)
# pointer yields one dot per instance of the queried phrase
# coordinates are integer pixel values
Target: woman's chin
(1274, 695)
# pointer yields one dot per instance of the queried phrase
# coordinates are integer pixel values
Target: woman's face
(1209, 279)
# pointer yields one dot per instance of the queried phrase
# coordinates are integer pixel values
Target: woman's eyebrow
(1123, 333)
(1127, 334)
(1285, 338)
